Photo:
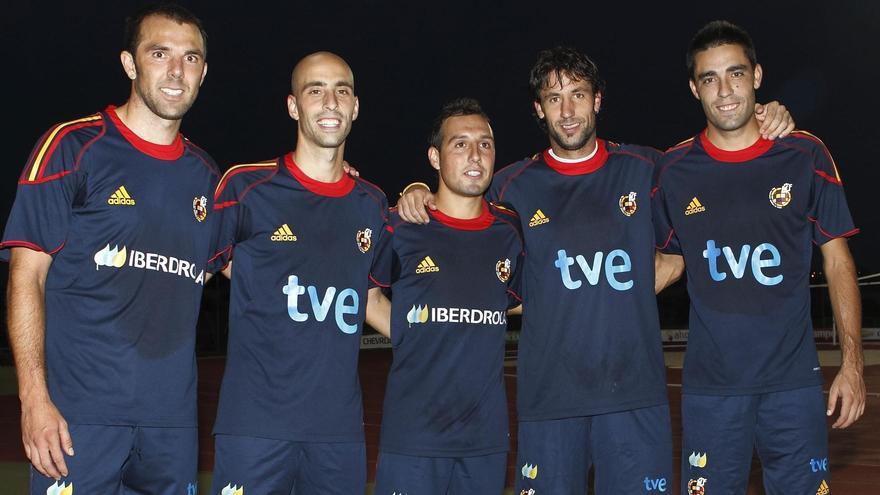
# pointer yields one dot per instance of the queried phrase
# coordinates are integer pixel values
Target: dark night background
(61, 61)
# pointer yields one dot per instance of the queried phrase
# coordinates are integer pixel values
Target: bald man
(305, 238)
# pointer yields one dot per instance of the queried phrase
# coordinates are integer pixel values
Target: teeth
(328, 123)
(473, 173)
(172, 92)
(725, 108)
(569, 126)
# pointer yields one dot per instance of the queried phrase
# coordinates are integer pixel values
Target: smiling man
(109, 238)
(744, 212)
(444, 423)
(303, 238)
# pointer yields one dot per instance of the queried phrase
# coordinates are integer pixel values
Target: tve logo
(616, 262)
(346, 303)
(738, 264)
(817, 465)
(658, 484)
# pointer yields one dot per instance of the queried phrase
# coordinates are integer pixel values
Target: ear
(128, 65)
(357, 106)
(204, 73)
(597, 102)
(693, 86)
(291, 107)
(538, 109)
(434, 157)
(759, 75)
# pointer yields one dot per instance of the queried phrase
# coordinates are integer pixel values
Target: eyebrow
(732, 68)
(343, 84)
(191, 51)
(465, 136)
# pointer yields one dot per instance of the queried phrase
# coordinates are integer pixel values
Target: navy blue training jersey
(453, 281)
(302, 252)
(590, 340)
(127, 224)
(745, 222)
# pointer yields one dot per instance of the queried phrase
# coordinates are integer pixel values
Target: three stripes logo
(539, 218)
(121, 197)
(824, 489)
(283, 234)
(694, 207)
(427, 265)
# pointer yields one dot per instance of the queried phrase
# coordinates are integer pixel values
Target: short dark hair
(457, 107)
(562, 60)
(132, 34)
(718, 33)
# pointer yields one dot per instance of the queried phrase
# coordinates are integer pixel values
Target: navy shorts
(630, 452)
(404, 474)
(124, 460)
(268, 466)
(787, 429)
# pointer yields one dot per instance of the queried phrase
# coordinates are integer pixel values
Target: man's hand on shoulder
(414, 201)
(775, 120)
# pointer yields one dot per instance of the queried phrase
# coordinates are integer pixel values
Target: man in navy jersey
(742, 213)
(591, 381)
(108, 242)
(303, 239)
(444, 423)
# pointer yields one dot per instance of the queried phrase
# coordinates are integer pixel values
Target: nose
(175, 68)
(474, 155)
(725, 88)
(566, 109)
(330, 101)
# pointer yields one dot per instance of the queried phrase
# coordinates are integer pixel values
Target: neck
(582, 152)
(458, 206)
(146, 124)
(321, 164)
(736, 139)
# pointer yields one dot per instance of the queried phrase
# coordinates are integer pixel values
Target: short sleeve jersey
(590, 341)
(453, 281)
(745, 222)
(302, 255)
(128, 224)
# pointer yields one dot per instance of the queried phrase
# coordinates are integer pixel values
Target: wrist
(415, 185)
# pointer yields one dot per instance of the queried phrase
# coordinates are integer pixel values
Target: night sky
(61, 61)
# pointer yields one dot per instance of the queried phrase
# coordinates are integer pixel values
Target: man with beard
(591, 380)
(304, 239)
(108, 240)
(742, 213)
(444, 423)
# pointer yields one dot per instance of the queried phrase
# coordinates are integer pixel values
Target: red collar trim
(482, 222)
(757, 149)
(332, 189)
(171, 151)
(587, 166)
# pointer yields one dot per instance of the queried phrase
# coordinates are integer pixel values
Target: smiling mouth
(727, 108)
(476, 174)
(171, 91)
(330, 124)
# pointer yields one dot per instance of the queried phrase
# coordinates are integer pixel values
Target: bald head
(318, 66)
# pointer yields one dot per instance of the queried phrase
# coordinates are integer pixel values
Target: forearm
(25, 299)
(846, 305)
(379, 312)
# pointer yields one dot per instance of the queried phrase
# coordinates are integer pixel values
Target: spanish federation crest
(200, 208)
(502, 270)
(697, 486)
(628, 204)
(780, 196)
(364, 239)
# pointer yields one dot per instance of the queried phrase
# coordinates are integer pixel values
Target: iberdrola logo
(418, 314)
(110, 257)
(60, 488)
(530, 471)
(231, 489)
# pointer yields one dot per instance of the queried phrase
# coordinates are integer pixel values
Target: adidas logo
(120, 197)
(283, 234)
(538, 218)
(824, 489)
(694, 207)
(427, 265)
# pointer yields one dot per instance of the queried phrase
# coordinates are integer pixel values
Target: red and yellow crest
(502, 270)
(364, 239)
(697, 486)
(628, 204)
(200, 208)
(780, 196)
